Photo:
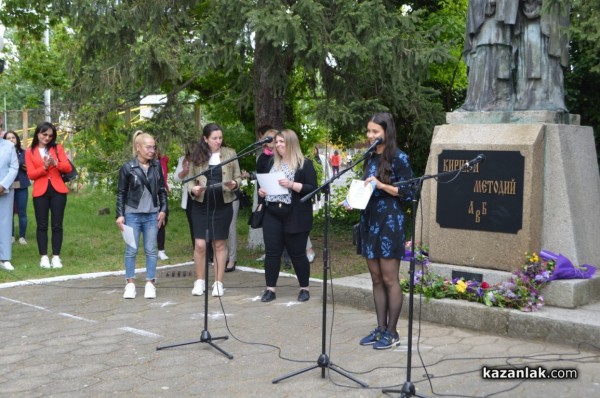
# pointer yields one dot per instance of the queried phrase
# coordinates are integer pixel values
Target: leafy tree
(322, 65)
(583, 77)
(354, 59)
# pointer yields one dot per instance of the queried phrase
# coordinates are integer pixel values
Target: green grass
(93, 243)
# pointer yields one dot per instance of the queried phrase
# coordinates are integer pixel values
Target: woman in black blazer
(287, 221)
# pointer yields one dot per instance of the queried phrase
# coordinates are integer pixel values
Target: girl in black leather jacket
(141, 205)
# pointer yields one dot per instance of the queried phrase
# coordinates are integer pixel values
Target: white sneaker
(261, 258)
(6, 265)
(162, 255)
(217, 289)
(150, 290)
(45, 262)
(129, 291)
(199, 287)
(22, 241)
(56, 263)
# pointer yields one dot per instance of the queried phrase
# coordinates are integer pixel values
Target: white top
(215, 159)
(184, 189)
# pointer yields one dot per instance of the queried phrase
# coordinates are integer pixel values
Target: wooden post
(25, 127)
(198, 117)
(128, 116)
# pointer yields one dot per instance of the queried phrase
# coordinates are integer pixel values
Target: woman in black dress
(381, 234)
(211, 208)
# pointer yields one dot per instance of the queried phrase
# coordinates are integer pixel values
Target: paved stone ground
(80, 338)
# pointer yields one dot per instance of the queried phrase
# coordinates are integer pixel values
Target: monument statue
(542, 52)
(515, 51)
(489, 55)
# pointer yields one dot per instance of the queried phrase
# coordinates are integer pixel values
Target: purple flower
(418, 277)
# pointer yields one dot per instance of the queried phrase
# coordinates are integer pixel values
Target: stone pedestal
(560, 190)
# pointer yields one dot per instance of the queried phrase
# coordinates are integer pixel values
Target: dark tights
(387, 294)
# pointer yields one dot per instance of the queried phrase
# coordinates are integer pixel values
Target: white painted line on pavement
(77, 317)
(126, 329)
(140, 332)
(25, 304)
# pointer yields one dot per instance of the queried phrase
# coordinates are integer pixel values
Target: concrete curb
(570, 326)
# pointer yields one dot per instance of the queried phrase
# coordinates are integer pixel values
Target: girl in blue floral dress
(381, 228)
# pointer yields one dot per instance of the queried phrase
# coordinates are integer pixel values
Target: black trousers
(188, 214)
(54, 203)
(276, 239)
(161, 237)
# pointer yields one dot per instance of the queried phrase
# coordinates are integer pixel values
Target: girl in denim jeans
(141, 205)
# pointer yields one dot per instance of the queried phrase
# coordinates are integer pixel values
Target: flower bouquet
(520, 291)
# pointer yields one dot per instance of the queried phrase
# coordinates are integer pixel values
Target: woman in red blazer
(46, 161)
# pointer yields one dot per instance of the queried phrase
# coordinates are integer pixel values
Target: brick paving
(80, 338)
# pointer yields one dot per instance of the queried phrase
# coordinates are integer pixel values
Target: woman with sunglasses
(46, 161)
(142, 205)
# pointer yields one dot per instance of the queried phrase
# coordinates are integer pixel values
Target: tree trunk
(270, 79)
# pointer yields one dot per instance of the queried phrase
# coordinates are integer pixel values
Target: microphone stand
(408, 388)
(323, 361)
(205, 336)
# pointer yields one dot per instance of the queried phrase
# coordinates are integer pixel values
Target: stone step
(567, 293)
(570, 326)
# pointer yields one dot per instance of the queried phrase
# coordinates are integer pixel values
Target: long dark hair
(384, 168)
(43, 127)
(18, 144)
(201, 153)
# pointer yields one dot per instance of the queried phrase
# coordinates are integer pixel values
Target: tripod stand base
(324, 363)
(408, 390)
(205, 337)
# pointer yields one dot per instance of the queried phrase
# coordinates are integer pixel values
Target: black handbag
(256, 217)
(243, 198)
(70, 176)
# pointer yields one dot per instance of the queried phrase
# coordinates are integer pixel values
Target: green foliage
(447, 25)
(583, 77)
(102, 150)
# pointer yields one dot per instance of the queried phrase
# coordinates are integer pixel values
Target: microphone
(378, 141)
(265, 140)
(479, 159)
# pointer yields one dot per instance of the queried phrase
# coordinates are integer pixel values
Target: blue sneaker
(372, 338)
(387, 340)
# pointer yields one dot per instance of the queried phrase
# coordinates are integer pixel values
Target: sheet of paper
(359, 194)
(128, 236)
(269, 182)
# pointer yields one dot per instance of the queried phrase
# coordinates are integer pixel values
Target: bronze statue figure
(515, 51)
